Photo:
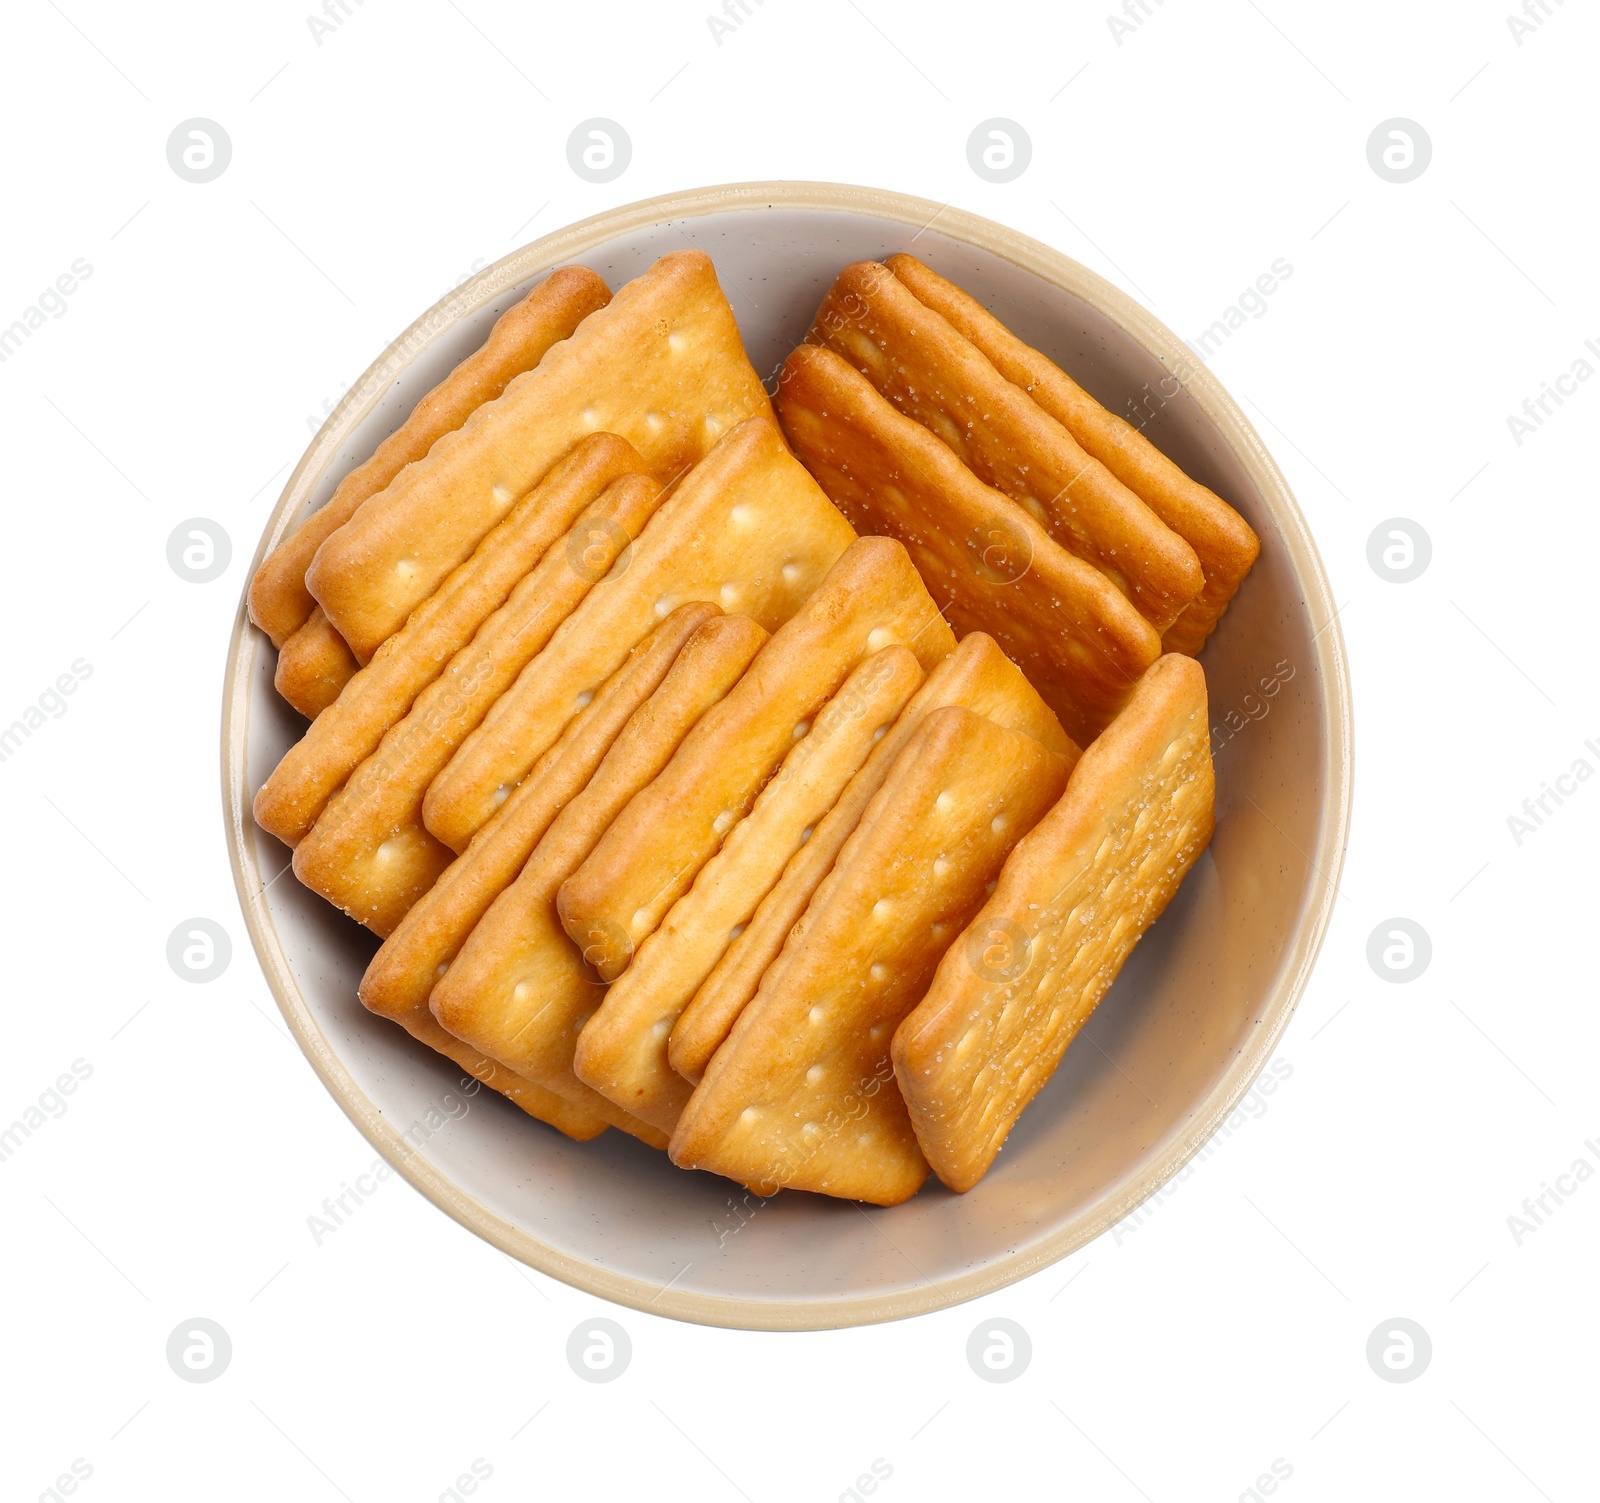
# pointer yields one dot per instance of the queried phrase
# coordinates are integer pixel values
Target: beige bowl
(1172, 1049)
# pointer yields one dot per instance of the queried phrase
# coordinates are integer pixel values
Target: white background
(1175, 1362)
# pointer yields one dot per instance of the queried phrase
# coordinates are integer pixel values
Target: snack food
(380, 694)
(425, 943)
(977, 676)
(988, 563)
(747, 529)
(675, 799)
(1073, 900)
(928, 370)
(280, 603)
(661, 365)
(1222, 539)
(314, 664)
(871, 599)
(778, 1105)
(575, 1121)
(368, 852)
(519, 989)
(623, 1050)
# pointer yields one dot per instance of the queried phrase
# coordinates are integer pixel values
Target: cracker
(978, 677)
(871, 599)
(577, 1122)
(368, 852)
(623, 1050)
(802, 1094)
(314, 664)
(408, 963)
(519, 989)
(930, 372)
(661, 365)
(986, 560)
(279, 601)
(412, 959)
(378, 696)
(1222, 539)
(1072, 902)
(747, 529)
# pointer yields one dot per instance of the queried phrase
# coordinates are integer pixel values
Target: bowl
(1177, 1041)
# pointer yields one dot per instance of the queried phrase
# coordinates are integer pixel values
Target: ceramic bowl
(1176, 1043)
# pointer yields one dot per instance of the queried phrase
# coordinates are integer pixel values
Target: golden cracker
(1222, 539)
(977, 676)
(279, 601)
(314, 665)
(872, 598)
(380, 694)
(1072, 902)
(368, 852)
(519, 989)
(802, 1095)
(661, 365)
(423, 945)
(930, 372)
(987, 562)
(747, 529)
(412, 959)
(556, 1111)
(622, 1052)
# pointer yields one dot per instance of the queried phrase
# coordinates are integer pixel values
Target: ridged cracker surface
(623, 1051)
(747, 529)
(930, 372)
(378, 696)
(368, 852)
(661, 365)
(520, 989)
(280, 603)
(802, 1095)
(871, 599)
(1222, 539)
(976, 676)
(986, 561)
(1071, 904)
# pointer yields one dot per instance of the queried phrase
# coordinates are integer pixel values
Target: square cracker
(747, 529)
(1222, 539)
(520, 990)
(930, 372)
(380, 694)
(623, 1050)
(661, 365)
(1073, 900)
(368, 852)
(802, 1094)
(871, 599)
(977, 676)
(985, 559)
(280, 603)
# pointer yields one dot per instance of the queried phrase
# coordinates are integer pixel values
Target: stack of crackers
(784, 788)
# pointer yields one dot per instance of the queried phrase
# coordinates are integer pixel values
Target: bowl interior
(1168, 1052)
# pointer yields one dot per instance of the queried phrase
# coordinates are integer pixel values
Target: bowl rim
(1335, 795)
